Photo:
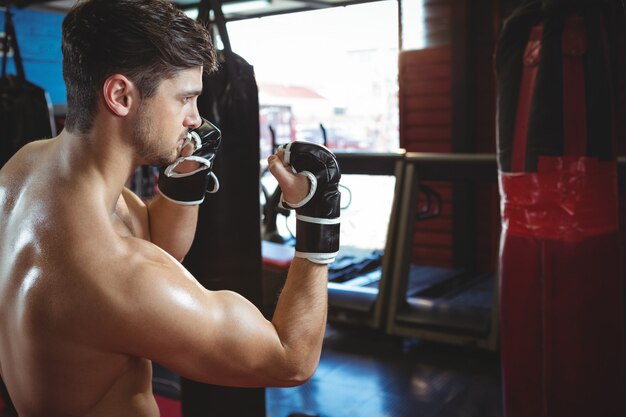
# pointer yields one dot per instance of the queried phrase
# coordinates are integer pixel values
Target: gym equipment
(359, 297)
(453, 305)
(562, 299)
(25, 109)
(226, 253)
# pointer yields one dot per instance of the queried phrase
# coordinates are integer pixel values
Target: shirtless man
(91, 289)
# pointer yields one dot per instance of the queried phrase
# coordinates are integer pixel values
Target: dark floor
(363, 374)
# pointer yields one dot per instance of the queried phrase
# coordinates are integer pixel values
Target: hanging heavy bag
(561, 304)
(226, 253)
(25, 109)
(230, 101)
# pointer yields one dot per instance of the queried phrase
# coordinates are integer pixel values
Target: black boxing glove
(188, 188)
(317, 215)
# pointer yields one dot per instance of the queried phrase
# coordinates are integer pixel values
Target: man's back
(89, 281)
(52, 239)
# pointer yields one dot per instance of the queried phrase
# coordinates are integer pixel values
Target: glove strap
(188, 190)
(170, 170)
(317, 239)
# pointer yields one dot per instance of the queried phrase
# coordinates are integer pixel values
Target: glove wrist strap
(189, 190)
(317, 239)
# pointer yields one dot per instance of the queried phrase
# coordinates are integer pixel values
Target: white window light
(243, 6)
(234, 7)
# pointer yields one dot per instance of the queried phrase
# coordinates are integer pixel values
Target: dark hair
(146, 40)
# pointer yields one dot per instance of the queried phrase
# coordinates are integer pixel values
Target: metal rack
(362, 300)
(453, 305)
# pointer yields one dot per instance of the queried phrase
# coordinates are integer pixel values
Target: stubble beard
(146, 142)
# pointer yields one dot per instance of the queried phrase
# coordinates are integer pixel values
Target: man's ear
(119, 94)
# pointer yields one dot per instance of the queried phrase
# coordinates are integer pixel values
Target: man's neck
(100, 157)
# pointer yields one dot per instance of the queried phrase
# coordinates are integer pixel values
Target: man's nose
(194, 120)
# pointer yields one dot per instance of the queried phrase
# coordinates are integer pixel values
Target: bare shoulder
(29, 151)
(141, 287)
(24, 158)
(106, 286)
(151, 268)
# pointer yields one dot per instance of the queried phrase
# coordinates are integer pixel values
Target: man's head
(145, 40)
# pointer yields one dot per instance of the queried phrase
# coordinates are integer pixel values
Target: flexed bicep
(218, 337)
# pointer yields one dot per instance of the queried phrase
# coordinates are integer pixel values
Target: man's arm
(305, 297)
(168, 225)
(173, 213)
(172, 226)
(160, 312)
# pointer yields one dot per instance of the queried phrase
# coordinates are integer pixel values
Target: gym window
(325, 74)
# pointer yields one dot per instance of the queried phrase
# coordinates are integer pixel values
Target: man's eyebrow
(188, 93)
(191, 93)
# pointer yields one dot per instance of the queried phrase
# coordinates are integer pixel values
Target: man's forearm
(300, 315)
(172, 226)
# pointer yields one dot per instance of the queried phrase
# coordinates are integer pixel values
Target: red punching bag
(562, 295)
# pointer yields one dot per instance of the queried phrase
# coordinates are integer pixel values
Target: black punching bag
(226, 253)
(25, 109)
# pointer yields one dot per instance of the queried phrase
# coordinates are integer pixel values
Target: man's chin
(167, 161)
(160, 161)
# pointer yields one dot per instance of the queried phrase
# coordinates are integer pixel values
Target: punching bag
(562, 295)
(226, 253)
(25, 109)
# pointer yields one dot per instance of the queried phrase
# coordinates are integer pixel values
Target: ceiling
(233, 9)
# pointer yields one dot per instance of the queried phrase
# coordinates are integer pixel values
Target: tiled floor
(366, 375)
